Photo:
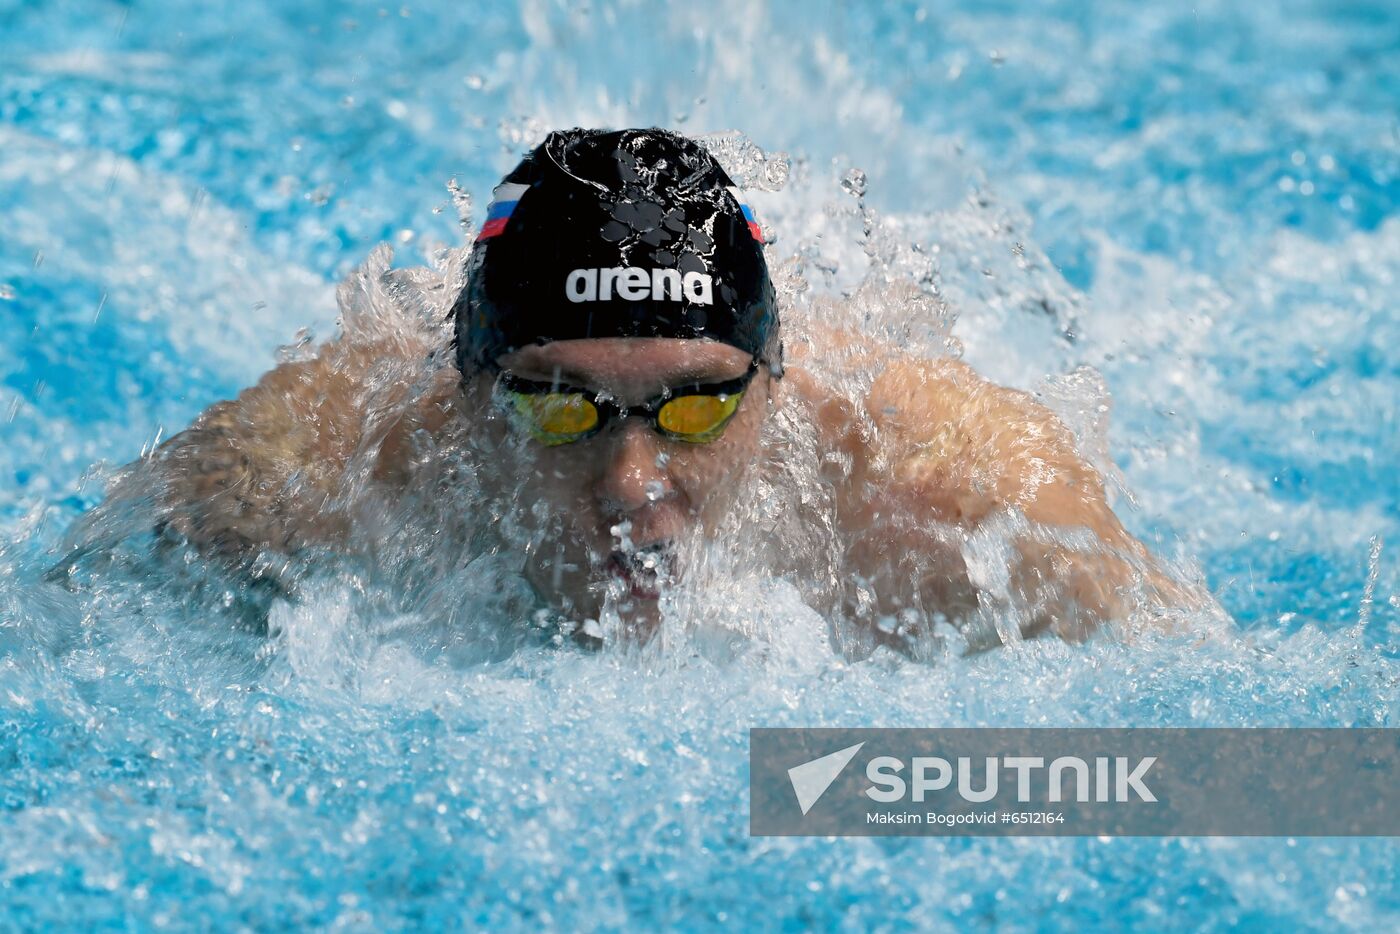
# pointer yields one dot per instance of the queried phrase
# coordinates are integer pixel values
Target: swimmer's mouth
(644, 571)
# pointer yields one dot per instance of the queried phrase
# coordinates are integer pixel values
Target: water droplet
(655, 490)
(776, 171)
(997, 56)
(462, 202)
(475, 82)
(7, 292)
(623, 533)
(854, 183)
(299, 349)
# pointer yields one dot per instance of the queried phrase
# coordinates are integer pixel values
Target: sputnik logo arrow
(810, 780)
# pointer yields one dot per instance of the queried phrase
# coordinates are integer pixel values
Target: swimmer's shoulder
(273, 466)
(865, 393)
(937, 430)
(942, 419)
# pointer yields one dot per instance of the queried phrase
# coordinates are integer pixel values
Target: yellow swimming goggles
(557, 414)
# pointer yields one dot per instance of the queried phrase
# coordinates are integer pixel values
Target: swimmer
(617, 368)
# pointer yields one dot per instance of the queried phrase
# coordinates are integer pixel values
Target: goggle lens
(556, 417)
(697, 418)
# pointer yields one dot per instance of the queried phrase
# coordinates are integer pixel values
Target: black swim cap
(631, 233)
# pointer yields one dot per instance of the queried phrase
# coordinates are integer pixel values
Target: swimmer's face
(629, 476)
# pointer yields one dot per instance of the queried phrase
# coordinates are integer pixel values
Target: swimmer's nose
(634, 475)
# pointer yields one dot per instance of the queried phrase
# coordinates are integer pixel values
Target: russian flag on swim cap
(748, 214)
(504, 198)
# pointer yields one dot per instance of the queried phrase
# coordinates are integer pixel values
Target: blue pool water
(1200, 203)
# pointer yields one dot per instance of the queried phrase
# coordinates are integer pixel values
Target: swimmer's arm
(278, 467)
(956, 451)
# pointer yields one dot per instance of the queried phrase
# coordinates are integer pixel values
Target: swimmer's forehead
(628, 361)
